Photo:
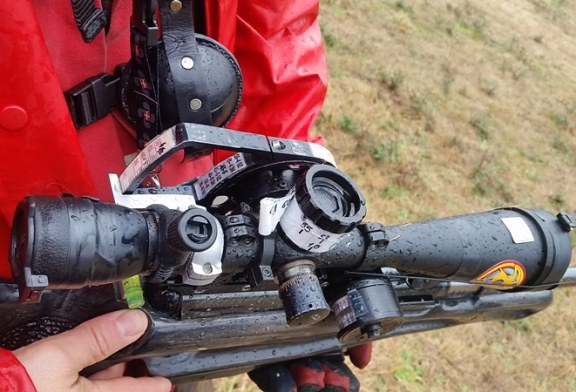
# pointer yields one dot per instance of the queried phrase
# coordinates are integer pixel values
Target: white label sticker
(321, 152)
(225, 169)
(271, 211)
(518, 229)
(153, 150)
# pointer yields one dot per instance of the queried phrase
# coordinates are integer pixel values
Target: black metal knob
(193, 231)
(330, 199)
(301, 294)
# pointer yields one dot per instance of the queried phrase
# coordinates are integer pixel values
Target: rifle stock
(224, 342)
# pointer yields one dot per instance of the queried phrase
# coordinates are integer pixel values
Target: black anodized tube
(466, 247)
(77, 242)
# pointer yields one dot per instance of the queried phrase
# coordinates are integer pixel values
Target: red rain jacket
(277, 44)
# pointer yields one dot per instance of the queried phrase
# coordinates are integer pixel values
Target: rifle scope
(68, 243)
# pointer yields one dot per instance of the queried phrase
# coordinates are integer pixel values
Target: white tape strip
(304, 233)
(218, 174)
(154, 150)
(519, 229)
(322, 152)
(271, 211)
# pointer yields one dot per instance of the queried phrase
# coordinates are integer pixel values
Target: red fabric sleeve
(40, 153)
(13, 376)
(278, 45)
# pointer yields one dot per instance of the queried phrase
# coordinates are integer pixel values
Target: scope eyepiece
(73, 242)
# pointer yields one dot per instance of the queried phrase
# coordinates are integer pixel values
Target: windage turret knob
(193, 231)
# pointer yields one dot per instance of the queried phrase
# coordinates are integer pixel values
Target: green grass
(483, 125)
(388, 151)
(348, 124)
(392, 81)
(409, 373)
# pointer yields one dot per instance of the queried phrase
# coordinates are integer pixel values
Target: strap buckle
(92, 99)
(144, 20)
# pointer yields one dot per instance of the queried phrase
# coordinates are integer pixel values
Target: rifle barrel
(569, 278)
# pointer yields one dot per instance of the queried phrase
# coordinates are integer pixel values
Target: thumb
(58, 359)
(98, 338)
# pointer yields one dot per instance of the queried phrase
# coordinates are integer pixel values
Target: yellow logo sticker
(505, 273)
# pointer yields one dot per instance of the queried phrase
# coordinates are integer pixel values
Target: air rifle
(264, 259)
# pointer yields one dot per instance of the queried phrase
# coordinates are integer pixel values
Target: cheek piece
(173, 76)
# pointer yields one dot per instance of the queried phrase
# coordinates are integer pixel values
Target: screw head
(175, 5)
(195, 104)
(187, 62)
(207, 268)
(278, 145)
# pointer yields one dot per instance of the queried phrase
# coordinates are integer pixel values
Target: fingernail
(132, 322)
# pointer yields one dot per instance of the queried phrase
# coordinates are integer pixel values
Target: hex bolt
(278, 145)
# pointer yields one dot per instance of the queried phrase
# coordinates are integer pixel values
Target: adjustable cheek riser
(185, 77)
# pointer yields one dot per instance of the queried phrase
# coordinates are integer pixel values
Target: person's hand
(314, 374)
(54, 363)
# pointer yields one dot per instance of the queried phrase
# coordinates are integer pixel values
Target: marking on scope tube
(519, 229)
(506, 273)
(271, 211)
(154, 150)
(304, 232)
(342, 308)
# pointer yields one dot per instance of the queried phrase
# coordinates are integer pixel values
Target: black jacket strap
(89, 19)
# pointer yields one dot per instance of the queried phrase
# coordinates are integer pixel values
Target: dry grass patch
(438, 108)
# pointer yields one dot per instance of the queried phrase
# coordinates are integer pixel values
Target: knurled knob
(303, 300)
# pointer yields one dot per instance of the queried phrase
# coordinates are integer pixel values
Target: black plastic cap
(193, 231)
(330, 199)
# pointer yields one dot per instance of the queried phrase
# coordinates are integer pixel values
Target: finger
(360, 355)
(308, 375)
(339, 378)
(58, 359)
(112, 372)
(273, 378)
(97, 339)
(141, 384)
